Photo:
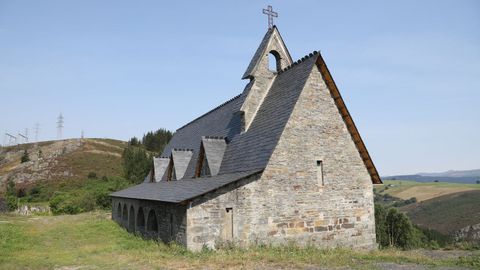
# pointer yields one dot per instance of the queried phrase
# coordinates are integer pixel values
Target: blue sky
(409, 71)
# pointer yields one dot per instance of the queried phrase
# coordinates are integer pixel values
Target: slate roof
(223, 121)
(252, 150)
(179, 191)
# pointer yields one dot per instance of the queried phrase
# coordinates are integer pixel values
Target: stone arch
(140, 220)
(152, 224)
(119, 211)
(274, 61)
(131, 219)
(124, 213)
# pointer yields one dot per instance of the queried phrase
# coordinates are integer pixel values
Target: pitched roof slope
(223, 121)
(252, 150)
(179, 191)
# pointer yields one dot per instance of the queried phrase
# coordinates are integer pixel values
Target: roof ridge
(218, 107)
(299, 61)
(214, 137)
(183, 149)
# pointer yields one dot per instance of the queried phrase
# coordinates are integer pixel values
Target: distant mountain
(452, 176)
(453, 173)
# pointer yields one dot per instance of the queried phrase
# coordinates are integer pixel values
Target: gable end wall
(287, 203)
(338, 213)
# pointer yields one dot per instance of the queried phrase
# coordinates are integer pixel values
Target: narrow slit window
(320, 173)
(228, 223)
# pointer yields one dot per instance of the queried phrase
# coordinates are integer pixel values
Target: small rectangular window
(320, 173)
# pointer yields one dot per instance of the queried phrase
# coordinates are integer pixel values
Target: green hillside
(60, 161)
(446, 213)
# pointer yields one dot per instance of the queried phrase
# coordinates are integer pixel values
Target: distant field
(447, 213)
(93, 241)
(423, 191)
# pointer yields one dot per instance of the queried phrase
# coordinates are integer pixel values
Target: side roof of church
(249, 150)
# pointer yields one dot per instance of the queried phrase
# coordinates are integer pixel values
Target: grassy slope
(93, 241)
(447, 213)
(424, 191)
(101, 156)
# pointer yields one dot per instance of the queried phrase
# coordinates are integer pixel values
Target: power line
(11, 139)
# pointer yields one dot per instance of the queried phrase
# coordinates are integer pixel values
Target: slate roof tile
(179, 191)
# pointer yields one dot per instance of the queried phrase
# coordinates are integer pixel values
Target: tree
(25, 157)
(394, 229)
(134, 142)
(136, 163)
(399, 229)
(380, 225)
(478, 182)
(156, 141)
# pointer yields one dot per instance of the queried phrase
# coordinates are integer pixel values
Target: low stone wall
(27, 210)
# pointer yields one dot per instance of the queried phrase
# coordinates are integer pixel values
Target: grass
(93, 241)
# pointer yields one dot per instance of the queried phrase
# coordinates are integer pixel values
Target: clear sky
(409, 71)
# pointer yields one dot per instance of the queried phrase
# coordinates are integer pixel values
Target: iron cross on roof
(270, 13)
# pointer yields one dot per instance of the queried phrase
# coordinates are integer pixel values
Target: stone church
(282, 162)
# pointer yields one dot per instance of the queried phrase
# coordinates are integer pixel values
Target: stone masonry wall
(206, 214)
(290, 202)
(171, 219)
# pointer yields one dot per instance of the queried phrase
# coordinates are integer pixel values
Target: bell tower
(261, 77)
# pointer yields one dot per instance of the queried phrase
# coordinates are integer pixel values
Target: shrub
(91, 194)
(103, 200)
(62, 203)
(11, 195)
(25, 157)
(11, 202)
(65, 203)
